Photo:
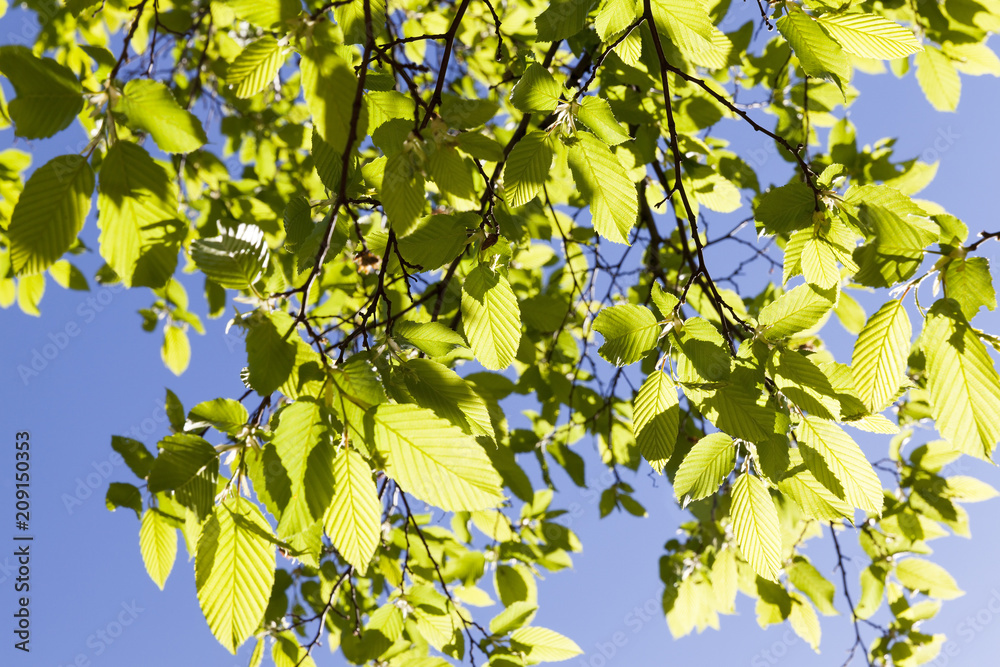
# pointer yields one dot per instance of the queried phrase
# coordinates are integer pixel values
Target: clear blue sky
(92, 601)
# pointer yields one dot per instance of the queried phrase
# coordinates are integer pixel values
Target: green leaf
(870, 36)
(236, 258)
(135, 454)
(705, 467)
(176, 350)
(819, 55)
(490, 317)
(49, 96)
(690, 27)
(527, 168)
(880, 353)
(655, 418)
(440, 389)
(629, 330)
(595, 113)
(49, 213)
(544, 645)
(814, 499)
(151, 107)
(938, 79)
(432, 338)
(402, 192)
(354, 519)
(795, 311)
(138, 216)
(158, 543)
(872, 589)
(804, 621)
(256, 66)
(613, 17)
(755, 524)
(968, 281)
(234, 571)
(819, 264)
(839, 464)
(600, 177)
(926, 577)
(224, 414)
(265, 14)
(434, 461)
(969, 489)
(270, 356)
(562, 19)
(187, 466)
(329, 86)
(963, 384)
(351, 18)
(785, 209)
(665, 302)
(123, 495)
(513, 617)
(536, 91)
(808, 579)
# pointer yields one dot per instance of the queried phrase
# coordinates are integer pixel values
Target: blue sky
(92, 602)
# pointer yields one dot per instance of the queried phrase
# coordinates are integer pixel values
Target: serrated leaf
(402, 192)
(225, 414)
(187, 466)
(839, 464)
(256, 66)
(930, 578)
(655, 418)
(969, 282)
(880, 353)
(150, 106)
(158, 544)
(595, 113)
(690, 27)
(969, 489)
(123, 495)
(328, 86)
(613, 17)
(544, 645)
(434, 461)
(234, 571)
(562, 19)
(138, 216)
(705, 467)
(514, 616)
(135, 454)
(351, 18)
(236, 258)
(819, 264)
(755, 524)
(819, 55)
(938, 79)
(49, 213)
(872, 588)
(270, 356)
(536, 91)
(442, 390)
(526, 169)
(354, 519)
(805, 577)
(603, 181)
(490, 317)
(795, 311)
(804, 621)
(814, 499)
(629, 330)
(176, 350)
(963, 384)
(786, 209)
(665, 302)
(870, 36)
(48, 94)
(432, 338)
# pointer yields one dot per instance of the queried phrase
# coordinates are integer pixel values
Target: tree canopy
(465, 240)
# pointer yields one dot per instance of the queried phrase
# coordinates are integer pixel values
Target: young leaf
(48, 94)
(236, 258)
(256, 66)
(839, 464)
(234, 570)
(629, 331)
(188, 467)
(537, 90)
(123, 495)
(870, 36)
(270, 356)
(880, 353)
(795, 311)
(434, 461)
(614, 204)
(225, 414)
(562, 19)
(595, 113)
(819, 55)
(655, 418)
(755, 524)
(705, 467)
(402, 192)
(938, 79)
(544, 645)
(526, 169)
(963, 384)
(969, 282)
(158, 543)
(49, 213)
(176, 350)
(328, 86)
(924, 576)
(491, 318)
(442, 390)
(786, 209)
(151, 107)
(354, 519)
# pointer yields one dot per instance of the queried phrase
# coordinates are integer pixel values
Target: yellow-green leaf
(755, 524)
(354, 519)
(158, 543)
